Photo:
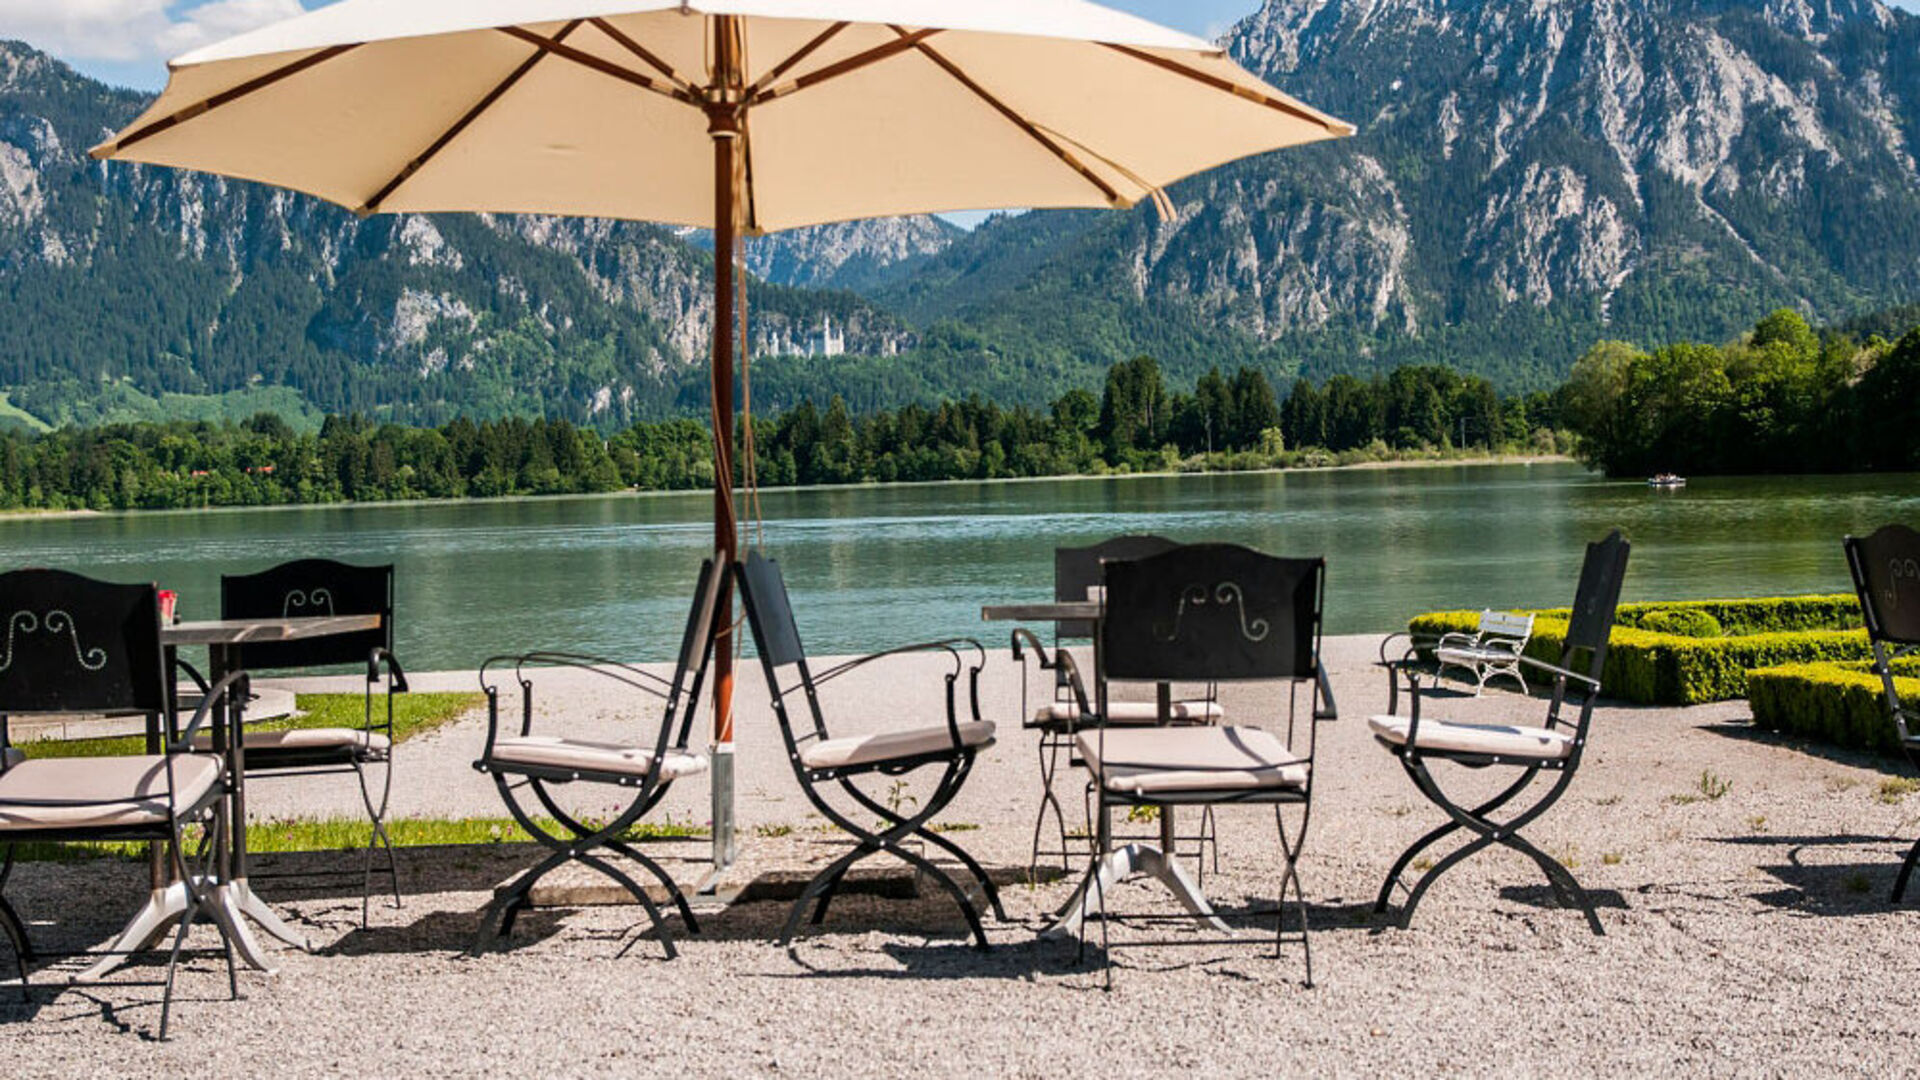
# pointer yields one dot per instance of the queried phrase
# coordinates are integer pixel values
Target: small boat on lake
(1666, 482)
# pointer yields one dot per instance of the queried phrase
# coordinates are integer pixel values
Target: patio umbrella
(731, 115)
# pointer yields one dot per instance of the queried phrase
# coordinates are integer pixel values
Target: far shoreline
(1480, 461)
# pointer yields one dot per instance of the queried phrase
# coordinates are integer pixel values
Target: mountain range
(1530, 176)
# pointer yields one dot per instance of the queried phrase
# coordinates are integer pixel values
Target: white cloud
(130, 31)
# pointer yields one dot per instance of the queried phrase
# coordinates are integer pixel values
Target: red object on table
(169, 603)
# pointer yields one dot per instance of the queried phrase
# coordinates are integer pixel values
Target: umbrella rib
(1333, 126)
(642, 52)
(1013, 116)
(406, 173)
(855, 62)
(605, 67)
(800, 54)
(224, 97)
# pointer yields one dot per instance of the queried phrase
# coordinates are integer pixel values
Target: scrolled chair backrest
(74, 644)
(1886, 574)
(1076, 569)
(305, 588)
(1212, 613)
(1595, 603)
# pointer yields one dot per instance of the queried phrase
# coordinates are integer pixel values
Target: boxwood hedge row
(1669, 669)
(1839, 703)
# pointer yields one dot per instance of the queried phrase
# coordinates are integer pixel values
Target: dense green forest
(1136, 423)
(1783, 399)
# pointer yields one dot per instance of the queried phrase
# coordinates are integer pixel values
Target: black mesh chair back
(1886, 573)
(771, 612)
(1590, 626)
(1076, 569)
(1212, 613)
(311, 587)
(763, 591)
(74, 644)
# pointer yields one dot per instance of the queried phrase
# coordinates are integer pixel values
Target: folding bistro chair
(1073, 707)
(819, 759)
(1212, 613)
(314, 587)
(1556, 748)
(525, 761)
(78, 645)
(1886, 572)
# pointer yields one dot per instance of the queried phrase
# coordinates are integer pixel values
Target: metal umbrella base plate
(1117, 866)
(234, 905)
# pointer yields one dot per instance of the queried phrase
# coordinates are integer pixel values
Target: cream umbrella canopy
(731, 115)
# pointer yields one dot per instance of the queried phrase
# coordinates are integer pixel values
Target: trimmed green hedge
(1667, 669)
(1839, 703)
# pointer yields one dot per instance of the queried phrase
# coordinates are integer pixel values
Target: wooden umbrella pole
(723, 125)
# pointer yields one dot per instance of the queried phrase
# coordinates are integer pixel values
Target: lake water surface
(886, 565)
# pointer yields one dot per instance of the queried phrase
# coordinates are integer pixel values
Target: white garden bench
(1493, 649)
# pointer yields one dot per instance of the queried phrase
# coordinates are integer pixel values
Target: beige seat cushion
(306, 739)
(1125, 713)
(136, 786)
(891, 745)
(555, 753)
(1494, 740)
(1164, 760)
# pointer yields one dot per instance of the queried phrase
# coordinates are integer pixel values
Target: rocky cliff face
(1529, 175)
(582, 318)
(1564, 152)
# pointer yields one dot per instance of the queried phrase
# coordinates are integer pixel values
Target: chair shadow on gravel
(1844, 890)
(1020, 954)
(1745, 731)
(1541, 896)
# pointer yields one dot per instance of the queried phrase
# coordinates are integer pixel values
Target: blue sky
(127, 41)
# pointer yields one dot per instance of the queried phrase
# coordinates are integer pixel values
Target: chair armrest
(1459, 639)
(1558, 670)
(396, 677)
(625, 674)
(236, 685)
(952, 647)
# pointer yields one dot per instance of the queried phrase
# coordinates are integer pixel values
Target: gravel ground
(1746, 934)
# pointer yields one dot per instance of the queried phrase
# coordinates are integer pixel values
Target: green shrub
(1682, 622)
(1654, 668)
(1838, 703)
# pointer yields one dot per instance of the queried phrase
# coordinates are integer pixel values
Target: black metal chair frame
(777, 639)
(579, 841)
(1075, 570)
(1879, 564)
(1303, 667)
(1588, 632)
(156, 703)
(307, 587)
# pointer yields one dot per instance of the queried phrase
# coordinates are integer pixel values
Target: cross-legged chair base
(898, 828)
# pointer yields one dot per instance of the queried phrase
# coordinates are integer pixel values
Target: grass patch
(1709, 788)
(1612, 858)
(413, 715)
(1138, 814)
(345, 835)
(772, 832)
(1894, 791)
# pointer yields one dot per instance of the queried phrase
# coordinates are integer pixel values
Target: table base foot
(1117, 866)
